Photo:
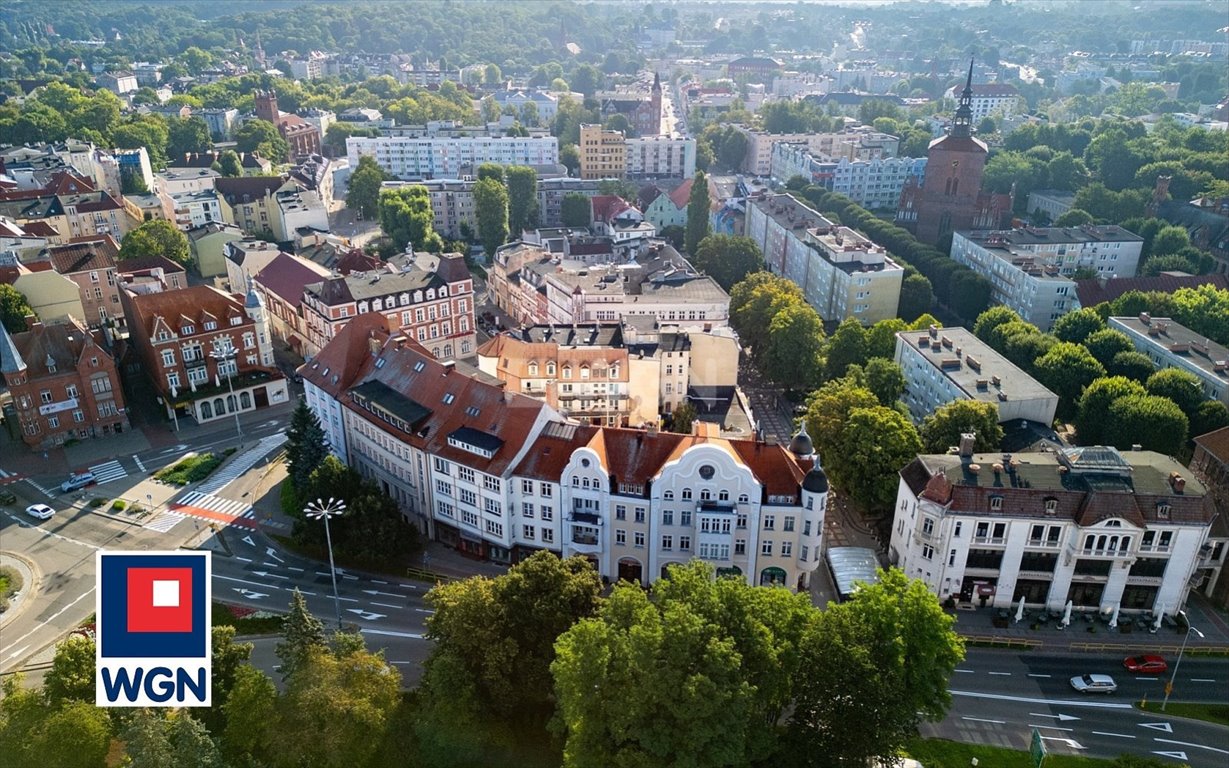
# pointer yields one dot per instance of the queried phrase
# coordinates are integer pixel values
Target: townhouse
(1100, 528)
(91, 264)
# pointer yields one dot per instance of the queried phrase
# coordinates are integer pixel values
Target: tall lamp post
(322, 510)
(219, 355)
(1169, 687)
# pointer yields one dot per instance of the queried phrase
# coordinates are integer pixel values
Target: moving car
(40, 511)
(1094, 684)
(1149, 663)
(77, 480)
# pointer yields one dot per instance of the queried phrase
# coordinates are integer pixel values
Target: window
(548, 535)
(788, 523)
(494, 528)
(667, 542)
(526, 510)
(639, 514)
(548, 514)
(45, 395)
(527, 532)
(544, 490)
(527, 487)
(928, 552)
(667, 517)
(684, 543)
(1051, 506)
(78, 416)
(468, 497)
(168, 358)
(770, 522)
(172, 380)
(469, 518)
(956, 530)
(620, 512)
(493, 507)
(740, 546)
(441, 465)
(787, 548)
(639, 538)
(444, 508)
(1162, 511)
(465, 473)
(668, 496)
(928, 526)
(686, 494)
(53, 422)
(996, 503)
(443, 487)
(685, 517)
(491, 483)
(620, 537)
(766, 547)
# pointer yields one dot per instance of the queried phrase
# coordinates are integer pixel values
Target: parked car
(7, 497)
(77, 480)
(1094, 684)
(1148, 664)
(40, 511)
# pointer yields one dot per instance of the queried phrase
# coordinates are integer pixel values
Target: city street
(999, 697)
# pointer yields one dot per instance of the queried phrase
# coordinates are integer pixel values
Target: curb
(28, 591)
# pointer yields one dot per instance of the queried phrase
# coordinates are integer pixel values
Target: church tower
(266, 105)
(949, 197)
(655, 104)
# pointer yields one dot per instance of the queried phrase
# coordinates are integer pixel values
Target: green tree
(363, 193)
(230, 166)
(754, 302)
(1091, 421)
(13, 309)
(407, 218)
(1210, 416)
(1155, 423)
(674, 235)
(1182, 387)
(728, 259)
(158, 739)
(885, 379)
(878, 441)
(682, 418)
(794, 346)
(491, 211)
(881, 337)
(916, 296)
(587, 79)
(188, 135)
(522, 198)
(1074, 218)
(1133, 365)
(847, 347)
(249, 713)
(492, 171)
(872, 670)
(491, 75)
(302, 634)
(697, 212)
(149, 131)
(569, 156)
(306, 446)
(156, 238)
(1066, 370)
(262, 137)
(1106, 343)
(576, 210)
(1078, 325)
(336, 709)
(1169, 240)
(942, 429)
(828, 410)
(227, 657)
(992, 318)
(71, 677)
(1023, 349)
(970, 293)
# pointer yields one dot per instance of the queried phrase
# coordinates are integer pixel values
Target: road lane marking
(1001, 674)
(1051, 702)
(53, 616)
(982, 720)
(387, 605)
(390, 633)
(1051, 727)
(1189, 744)
(1119, 735)
(966, 671)
(1059, 717)
(1166, 727)
(18, 652)
(1149, 679)
(377, 581)
(1202, 680)
(244, 559)
(1031, 675)
(292, 568)
(252, 583)
(1175, 755)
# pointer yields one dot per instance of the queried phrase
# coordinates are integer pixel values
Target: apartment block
(413, 155)
(603, 153)
(1172, 345)
(874, 184)
(860, 143)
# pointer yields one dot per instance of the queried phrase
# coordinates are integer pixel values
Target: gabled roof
(83, 254)
(146, 263)
(607, 207)
(348, 356)
(194, 302)
(682, 194)
(550, 453)
(61, 345)
(1092, 292)
(1216, 443)
(286, 275)
(252, 188)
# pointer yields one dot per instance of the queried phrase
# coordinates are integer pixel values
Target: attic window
(187, 330)
(418, 366)
(996, 503)
(380, 363)
(235, 320)
(448, 398)
(1162, 511)
(325, 372)
(471, 411)
(1051, 506)
(210, 325)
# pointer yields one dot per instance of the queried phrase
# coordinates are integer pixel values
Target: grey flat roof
(961, 371)
(1180, 341)
(850, 565)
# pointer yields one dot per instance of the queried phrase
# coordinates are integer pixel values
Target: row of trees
(704, 671)
(1112, 392)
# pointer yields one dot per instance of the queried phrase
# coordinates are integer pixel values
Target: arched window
(206, 410)
(550, 368)
(567, 371)
(447, 351)
(245, 400)
(219, 407)
(230, 403)
(723, 496)
(743, 498)
(533, 368)
(668, 495)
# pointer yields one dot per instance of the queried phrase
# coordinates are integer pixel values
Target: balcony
(994, 541)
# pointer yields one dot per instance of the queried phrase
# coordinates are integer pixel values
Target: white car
(40, 511)
(1094, 684)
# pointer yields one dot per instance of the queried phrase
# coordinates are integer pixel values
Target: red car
(1150, 664)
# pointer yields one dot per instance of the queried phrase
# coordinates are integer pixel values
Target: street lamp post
(219, 354)
(1170, 687)
(321, 510)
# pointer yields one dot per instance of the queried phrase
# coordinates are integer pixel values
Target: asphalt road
(999, 697)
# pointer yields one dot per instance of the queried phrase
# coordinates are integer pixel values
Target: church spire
(11, 361)
(962, 123)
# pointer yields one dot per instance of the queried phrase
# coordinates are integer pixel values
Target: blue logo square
(120, 607)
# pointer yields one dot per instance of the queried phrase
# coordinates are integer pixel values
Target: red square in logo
(159, 599)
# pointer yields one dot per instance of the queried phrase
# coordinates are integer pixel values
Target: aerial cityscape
(634, 383)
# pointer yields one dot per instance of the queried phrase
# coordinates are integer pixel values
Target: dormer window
(362, 307)
(584, 372)
(235, 320)
(187, 330)
(996, 503)
(533, 369)
(210, 325)
(1162, 511)
(550, 368)
(1051, 506)
(448, 398)
(567, 371)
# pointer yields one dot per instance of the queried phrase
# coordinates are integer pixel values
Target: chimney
(1136, 447)
(1179, 484)
(967, 441)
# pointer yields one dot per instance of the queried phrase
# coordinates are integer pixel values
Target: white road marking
(244, 581)
(266, 575)
(966, 671)
(18, 652)
(424, 610)
(244, 559)
(386, 605)
(1001, 674)
(1040, 675)
(1069, 742)
(1149, 679)
(271, 552)
(377, 581)
(366, 615)
(981, 720)
(1051, 727)
(1119, 735)
(1060, 718)
(292, 568)
(53, 616)
(249, 594)
(1175, 755)
(248, 540)
(1029, 700)
(1189, 744)
(1166, 727)
(1202, 680)
(390, 633)
(378, 592)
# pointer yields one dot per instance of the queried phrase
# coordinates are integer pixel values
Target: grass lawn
(191, 469)
(246, 621)
(1213, 713)
(10, 584)
(940, 753)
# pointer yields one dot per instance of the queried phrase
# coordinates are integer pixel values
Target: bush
(246, 621)
(10, 584)
(192, 469)
(119, 505)
(97, 502)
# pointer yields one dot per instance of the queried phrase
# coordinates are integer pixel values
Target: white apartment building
(1171, 345)
(860, 143)
(1032, 269)
(841, 273)
(1100, 528)
(990, 99)
(942, 365)
(413, 157)
(500, 475)
(658, 157)
(196, 209)
(873, 184)
(178, 181)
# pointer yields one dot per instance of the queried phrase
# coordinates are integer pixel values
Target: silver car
(75, 481)
(1094, 684)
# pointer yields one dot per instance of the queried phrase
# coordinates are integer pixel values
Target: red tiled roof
(286, 276)
(83, 254)
(193, 303)
(1092, 292)
(1216, 443)
(355, 260)
(551, 452)
(606, 207)
(40, 229)
(348, 356)
(775, 467)
(145, 263)
(682, 194)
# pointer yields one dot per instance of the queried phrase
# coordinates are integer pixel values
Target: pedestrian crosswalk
(48, 493)
(108, 471)
(164, 522)
(214, 509)
(241, 463)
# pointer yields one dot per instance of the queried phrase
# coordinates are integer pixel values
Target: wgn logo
(154, 641)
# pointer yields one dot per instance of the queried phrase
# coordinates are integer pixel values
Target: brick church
(950, 197)
(300, 135)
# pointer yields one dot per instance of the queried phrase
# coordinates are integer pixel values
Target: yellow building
(52, 296)
(603, 153)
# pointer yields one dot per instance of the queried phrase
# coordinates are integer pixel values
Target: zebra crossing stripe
(108, 471)
(164, 522)
(241, 463)
(139, 463)
(46, 492)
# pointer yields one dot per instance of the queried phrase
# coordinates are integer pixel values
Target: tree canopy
(728, 259)
(407, 218)
(156, 238)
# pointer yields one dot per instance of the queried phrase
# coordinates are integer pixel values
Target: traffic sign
(1037, 749)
